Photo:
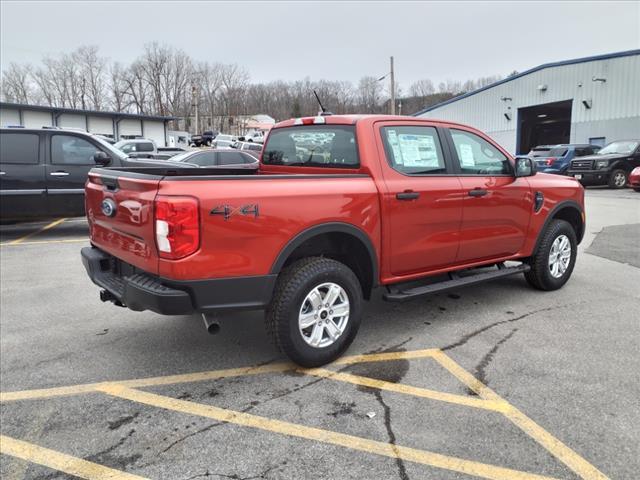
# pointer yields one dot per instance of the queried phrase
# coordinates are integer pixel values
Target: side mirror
(525, 167)
(101, 158)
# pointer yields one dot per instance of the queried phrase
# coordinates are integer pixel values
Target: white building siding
(101, 125)
(36, 119)
(615, 111)
(130, 127)
(154, 131)
(68, 120)
(9, 116)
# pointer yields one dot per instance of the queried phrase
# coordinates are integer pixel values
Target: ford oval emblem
(108, 207)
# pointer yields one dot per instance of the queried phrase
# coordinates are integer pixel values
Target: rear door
(497, 206)
(22, 175)
(422, 201)
(70, 159)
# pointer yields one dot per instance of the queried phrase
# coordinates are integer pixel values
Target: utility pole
(194, 97)
(393, 89)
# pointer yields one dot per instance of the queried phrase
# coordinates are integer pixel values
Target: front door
(422, 202)
(22, 176)
(71, 158)
(497, 205)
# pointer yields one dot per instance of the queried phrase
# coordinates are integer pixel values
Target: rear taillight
(549, 161)
(177, 224)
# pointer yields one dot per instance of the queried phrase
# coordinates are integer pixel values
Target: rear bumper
(591, 177)
(139, 290)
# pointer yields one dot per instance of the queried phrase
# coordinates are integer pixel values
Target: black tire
(636, 189)
(615, 178)
(293, 285)
(540, 276)
(208, 143)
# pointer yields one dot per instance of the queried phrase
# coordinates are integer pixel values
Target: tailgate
(128, 233)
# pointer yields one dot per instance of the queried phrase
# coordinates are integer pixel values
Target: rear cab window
(19, 148)
(329, 146)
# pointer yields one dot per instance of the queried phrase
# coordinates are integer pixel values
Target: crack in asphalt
(469, 336)
(402, 469)
(233, 476)
(486, 360)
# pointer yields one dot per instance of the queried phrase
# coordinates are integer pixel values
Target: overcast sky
(330, 40)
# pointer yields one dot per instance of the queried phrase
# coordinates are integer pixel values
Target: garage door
(130, 128)
(101, 126)
(9, 117)
(36, 119)
(155, 131)
(68, 120)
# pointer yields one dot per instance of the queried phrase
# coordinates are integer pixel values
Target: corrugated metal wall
(617, 99)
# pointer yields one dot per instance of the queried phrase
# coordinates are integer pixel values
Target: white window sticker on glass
(465, 152)
(393, 141)
(418, 150)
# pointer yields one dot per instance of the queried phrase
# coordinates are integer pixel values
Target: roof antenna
(322, 111)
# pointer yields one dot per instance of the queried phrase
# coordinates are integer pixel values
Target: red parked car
(415, 206)
(634, 179)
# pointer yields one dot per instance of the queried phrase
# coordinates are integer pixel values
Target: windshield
(312, 146)
(121, 155)
(624, 147)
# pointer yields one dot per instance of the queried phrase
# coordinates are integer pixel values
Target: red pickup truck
(340, 205)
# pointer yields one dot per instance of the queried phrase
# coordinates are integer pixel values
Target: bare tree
(17, 84)
(422, 88)
(369, 95)
(91, 70)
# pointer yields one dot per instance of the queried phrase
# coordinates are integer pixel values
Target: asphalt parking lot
(493, 381)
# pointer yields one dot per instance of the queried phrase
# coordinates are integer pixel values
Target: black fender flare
(562, 205)
(331, 227)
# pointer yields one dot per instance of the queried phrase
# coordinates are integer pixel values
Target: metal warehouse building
(110, 124)
(587, 100)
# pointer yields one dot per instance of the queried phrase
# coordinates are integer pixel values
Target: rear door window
(232, 158)
(558, 152)
(414, 150)
(145, 147)
(19, 148)
(330, 146)
(204, 159)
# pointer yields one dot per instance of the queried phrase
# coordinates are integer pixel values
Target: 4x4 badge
(229, 211)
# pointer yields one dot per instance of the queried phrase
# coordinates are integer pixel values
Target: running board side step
(397, 294)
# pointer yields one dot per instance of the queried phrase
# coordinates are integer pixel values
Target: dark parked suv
(610, 166)
(43, 171)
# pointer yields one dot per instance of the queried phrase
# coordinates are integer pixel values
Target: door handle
(59, 174)
(477, 192)
(407, 195)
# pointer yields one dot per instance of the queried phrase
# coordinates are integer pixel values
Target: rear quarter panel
(248, 244)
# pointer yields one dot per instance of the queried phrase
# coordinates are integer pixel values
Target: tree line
(164, 80)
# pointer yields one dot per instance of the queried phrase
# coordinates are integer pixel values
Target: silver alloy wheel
(324, 315)
(559, 256)
(620, 179)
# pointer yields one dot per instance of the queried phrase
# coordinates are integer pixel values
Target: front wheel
(316, 311)
(618, 179)
(553, 261)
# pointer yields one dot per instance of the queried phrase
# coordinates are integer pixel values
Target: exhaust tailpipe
(211, 323)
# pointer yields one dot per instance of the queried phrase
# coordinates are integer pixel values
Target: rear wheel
(618, 179)
(315, 312)
(553, 261)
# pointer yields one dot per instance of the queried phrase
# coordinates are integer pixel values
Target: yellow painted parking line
(45, 228)
(386, 356)
(44, 242)
(207, 375)
(496, 406)
(558, 449)
(61, 461)
(145, 382)
(423, 457)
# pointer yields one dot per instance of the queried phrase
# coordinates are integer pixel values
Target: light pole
(392, 82)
